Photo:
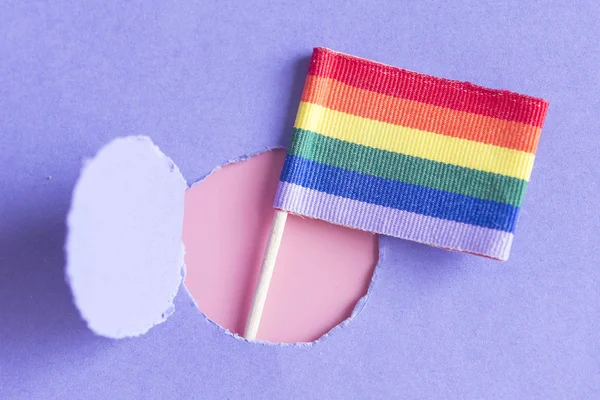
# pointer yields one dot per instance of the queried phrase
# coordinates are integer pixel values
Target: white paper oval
(125, 255)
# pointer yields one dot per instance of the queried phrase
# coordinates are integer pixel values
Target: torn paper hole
(124, 249)
(321, 272)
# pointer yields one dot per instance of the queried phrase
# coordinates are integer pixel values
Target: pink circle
(322, 270)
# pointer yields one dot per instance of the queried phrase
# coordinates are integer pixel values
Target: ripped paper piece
(124, 249)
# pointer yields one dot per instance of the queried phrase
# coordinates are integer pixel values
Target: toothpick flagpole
(266, 272)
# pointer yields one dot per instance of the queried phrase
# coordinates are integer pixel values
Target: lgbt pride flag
(395, 152)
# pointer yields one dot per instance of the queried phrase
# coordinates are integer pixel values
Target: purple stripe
(389, 221)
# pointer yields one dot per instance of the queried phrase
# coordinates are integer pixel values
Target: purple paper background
(213, 81)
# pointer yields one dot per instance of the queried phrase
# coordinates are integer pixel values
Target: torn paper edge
(358, 308)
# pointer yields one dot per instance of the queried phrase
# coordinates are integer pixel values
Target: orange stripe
(338, 96)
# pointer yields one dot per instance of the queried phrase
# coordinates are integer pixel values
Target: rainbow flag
(395, 152)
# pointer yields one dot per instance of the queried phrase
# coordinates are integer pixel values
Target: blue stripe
(399, 195)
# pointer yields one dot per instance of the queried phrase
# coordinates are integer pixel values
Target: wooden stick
(266, 272)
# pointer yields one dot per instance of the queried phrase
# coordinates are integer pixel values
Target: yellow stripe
(414, 142)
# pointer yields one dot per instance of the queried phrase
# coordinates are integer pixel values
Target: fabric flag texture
(395, 152)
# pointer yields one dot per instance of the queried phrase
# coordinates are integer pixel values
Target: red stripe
(397, 82)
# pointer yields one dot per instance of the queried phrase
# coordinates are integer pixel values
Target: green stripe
(403, 168)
